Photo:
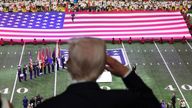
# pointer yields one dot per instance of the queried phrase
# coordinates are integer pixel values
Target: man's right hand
(115, 67)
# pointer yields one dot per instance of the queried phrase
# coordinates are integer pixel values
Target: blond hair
(86, 58)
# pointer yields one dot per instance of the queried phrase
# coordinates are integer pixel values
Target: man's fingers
(110, 61)
(108, 68)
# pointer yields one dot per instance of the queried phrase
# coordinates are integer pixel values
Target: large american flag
(57, 25)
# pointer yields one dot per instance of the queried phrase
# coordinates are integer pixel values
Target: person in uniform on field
(52, 67)
(35, 70)
(57, 63)
(25, 102)
(38, 69)
(173, 100)
(19, 73)
(63, 61)
(25, 72)
(45, 67)
(30, 71)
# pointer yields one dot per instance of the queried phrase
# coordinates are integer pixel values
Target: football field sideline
(143, 54)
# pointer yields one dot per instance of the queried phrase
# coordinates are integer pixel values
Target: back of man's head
(86, 58)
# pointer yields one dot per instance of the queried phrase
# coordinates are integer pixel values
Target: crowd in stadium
(93, 5)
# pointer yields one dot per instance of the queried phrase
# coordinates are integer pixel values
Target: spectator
(32, 102)
(163, 104)
(173, 100)
(182, 103)
(87, 60)
(38, 99)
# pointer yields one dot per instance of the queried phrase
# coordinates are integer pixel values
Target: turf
(150, 67)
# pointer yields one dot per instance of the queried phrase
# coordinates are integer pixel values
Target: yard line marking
(179, 50)
(185, 50)
(15, 52)
(151, 50)
(165, 50)
(14, 86)
(7, 52)
(145, 50)
(180, 63)
(138, 50)
(187, 62)
(151, 63)
(143, 64)
(126, 56)
(172, 50)
(171, 75)
(11, 66)
(189, 44)
(1, 53)
(158, 63)
(55, 84)
(4, 66)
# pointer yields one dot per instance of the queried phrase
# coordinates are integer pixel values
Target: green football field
(166, 68)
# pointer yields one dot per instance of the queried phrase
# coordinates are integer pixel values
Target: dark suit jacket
(89, 95)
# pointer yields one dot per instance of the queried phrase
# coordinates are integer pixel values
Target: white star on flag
(47, 13)
(24, 21)
(39, 15)
(38, 18)
(20, 13)
(44, 20)
(22, 24)
(52, 19)
(60, 13)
